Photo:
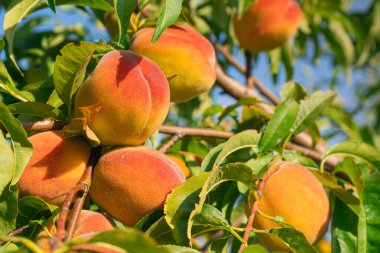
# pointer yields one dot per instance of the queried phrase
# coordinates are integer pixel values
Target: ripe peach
(267, 24)
(55, 167)
(181, 164)
(294, 193)
(89, 223)
(183, 52)
(134, 97)
(131, 182)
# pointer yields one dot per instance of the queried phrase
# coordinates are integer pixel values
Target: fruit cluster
(134, 94)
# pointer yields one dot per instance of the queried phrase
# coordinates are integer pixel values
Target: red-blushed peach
(89, 223)
(267, 24)
(294, 193)
(133, 94)
(181, 52)
(56, 166)
(131, 182)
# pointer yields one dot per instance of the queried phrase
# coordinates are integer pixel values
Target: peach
(181, 164)
(267, 24)
(56, 166)
(133, 94)
(131, 182)
(294, 193)
(181, 52)
(89, 223)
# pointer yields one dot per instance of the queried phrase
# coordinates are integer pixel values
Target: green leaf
(292, 91)
(179, 249)
(2, 44)
(70, 69)
(35, 109)
(228, 172)
(209, 160)
(161, 232)
(294, 239)
(180, 203)
(245, 139)
(21, 146)
(310, 108)
(261, 164)
(255, 248)
(343, 227)
(355, 149)
(16, 11)
(214, 220)
(244, 5)
(8, 209)
(349, 168)
(229, 109)
(7, 163)
(344, 194)
(124, 10)
(279, 125)
(129, 239)
(169, 14)
(33, 208)
(51, 4)
(7, 85)
(369, 218)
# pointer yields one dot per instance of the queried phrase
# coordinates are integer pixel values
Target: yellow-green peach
(133, 94)
(131, 182)
(181, 52)
(267, 24)
(56, 166)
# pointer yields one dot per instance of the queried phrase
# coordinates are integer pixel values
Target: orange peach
(181, 52)
(133, 94)
(89, 223)
(131, 182)
(267, 24)
(56, 166)
(294, 193)
(181, 164)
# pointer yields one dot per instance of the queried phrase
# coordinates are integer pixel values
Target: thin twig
(256, 83)
(77, 195)
(167, 145)
(16, 232)
(248, 69)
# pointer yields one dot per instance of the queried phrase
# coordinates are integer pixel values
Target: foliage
(42, 69)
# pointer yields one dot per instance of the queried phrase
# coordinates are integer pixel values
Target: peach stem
(77, 195)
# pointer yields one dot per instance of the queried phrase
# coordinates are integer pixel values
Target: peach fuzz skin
(133, 94)
(89, 223)
(56, 166)
(267, 24)
(294, 193)
(131, 182)
(183, 52)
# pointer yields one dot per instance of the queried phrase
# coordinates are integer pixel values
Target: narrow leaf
(21, 146)
(310, 108)
(124, 10)
(169, 14)
(369, 218)
(35, 109)
(70, 69)
(294, 239)
(180, 203)
(355, 149)
(279, 125)
(8, 209)
(51, 4)
(7, 163)
(245, 139)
